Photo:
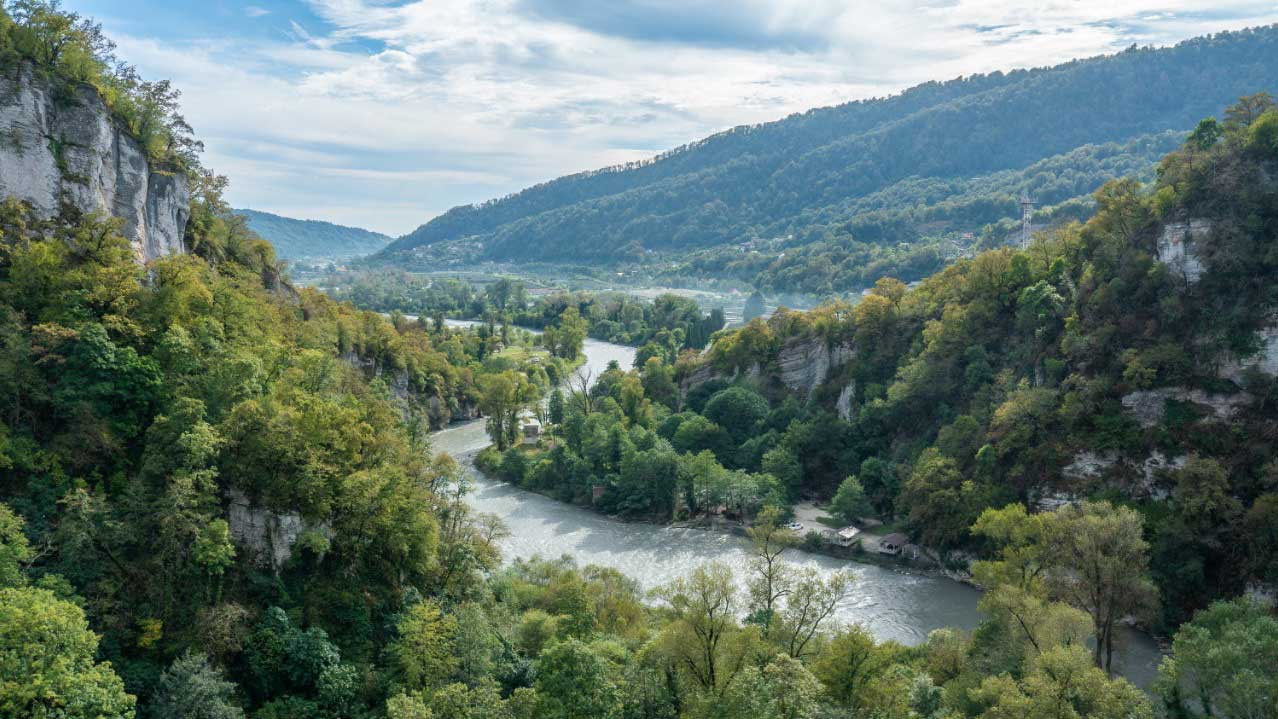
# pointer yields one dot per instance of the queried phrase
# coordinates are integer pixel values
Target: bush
(489, 461)
(514, 465)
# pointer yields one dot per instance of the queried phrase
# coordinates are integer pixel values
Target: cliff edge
(63, 150)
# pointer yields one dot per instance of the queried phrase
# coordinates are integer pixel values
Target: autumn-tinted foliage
(982, 385)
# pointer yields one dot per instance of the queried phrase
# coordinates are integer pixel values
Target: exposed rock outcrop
(844, 403)
(65, 150)
(268, 537)
(1177, 248)
(1264, 360)
(1138, 478)
(707, 372)
(802, 365)
(1149, 406)
(1089, 465)
(805, 363)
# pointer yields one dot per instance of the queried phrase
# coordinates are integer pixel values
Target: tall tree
(770, 577)
(700, 639)
(1098, 561)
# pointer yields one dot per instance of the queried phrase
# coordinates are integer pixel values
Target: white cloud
(255, 11)
(382, 114)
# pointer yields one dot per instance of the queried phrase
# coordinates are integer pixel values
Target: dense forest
(915, 227)
(312, 239)
(1082, 367)
(879, 171)
(218, 500)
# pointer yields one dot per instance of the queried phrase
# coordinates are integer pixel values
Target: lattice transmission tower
(1027, 214)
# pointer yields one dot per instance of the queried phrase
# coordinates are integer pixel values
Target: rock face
(1142, 475)
(58, 151)
(844, 404)
(267, 536)
(1149, 406)
(1177, 248)
(805, 363)
(1265, 360)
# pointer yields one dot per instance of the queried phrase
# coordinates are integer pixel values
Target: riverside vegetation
(665, 326)
(142, 409)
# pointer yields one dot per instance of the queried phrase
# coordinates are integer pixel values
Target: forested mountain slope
(313, 239)
(1134, 357)
(217, 497)
(836, 167)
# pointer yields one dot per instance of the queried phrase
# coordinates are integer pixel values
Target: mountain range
(942, 160)
(313, 239)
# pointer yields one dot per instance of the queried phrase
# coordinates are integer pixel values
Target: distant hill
(943, 157)
(313, 239)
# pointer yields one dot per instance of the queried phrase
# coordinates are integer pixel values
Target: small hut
(531, 430)
(847, 536)
(893, 543)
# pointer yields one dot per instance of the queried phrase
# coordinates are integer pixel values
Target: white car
(795, 526)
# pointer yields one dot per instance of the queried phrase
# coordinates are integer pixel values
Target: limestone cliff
(1178, 249)
(801, 365)
(805, 363)
(63, 149)
(267, 537)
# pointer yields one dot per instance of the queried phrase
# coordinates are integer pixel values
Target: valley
(895, 604)
(603, 448)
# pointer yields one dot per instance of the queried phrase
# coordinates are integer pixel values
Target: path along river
(891, 603)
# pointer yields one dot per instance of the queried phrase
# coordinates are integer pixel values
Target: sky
(384, 113)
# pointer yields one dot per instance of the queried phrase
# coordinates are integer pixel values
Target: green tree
(1097, 561)
(15, 551)
(701, 639)
(424, 650)
(698, 433)
(191, 688)
(782, 689)
(1206, 134)
(502, 397)
(1064, 684)
(781, 462)
(771, 578)
(47, 665)
(573, 682)
(658, 382)
(880, 483)
(1224, 663)
(849, 665)
(810, 602)
(942, 503)
(849, 503)
(738, 410)
(571, 334)
(556, 407)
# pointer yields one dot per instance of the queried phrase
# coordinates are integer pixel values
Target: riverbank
(894, 602)
(919, 563)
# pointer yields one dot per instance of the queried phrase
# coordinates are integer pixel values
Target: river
(893, 604)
